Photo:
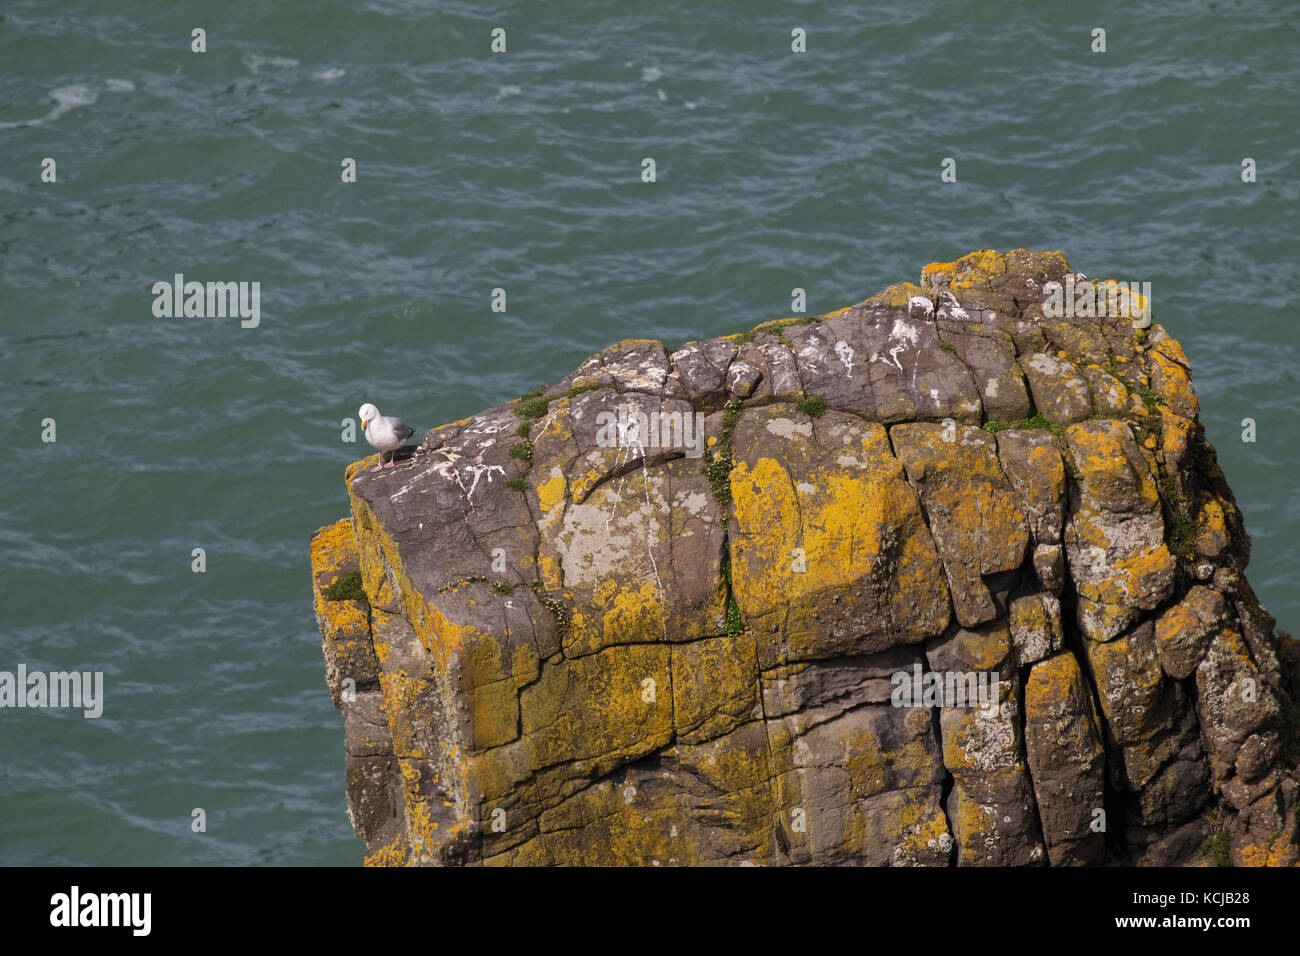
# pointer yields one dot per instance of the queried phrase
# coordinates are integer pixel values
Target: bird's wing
(400, 428)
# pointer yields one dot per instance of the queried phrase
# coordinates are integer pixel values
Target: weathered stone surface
(1033, 464)
(975, 517)
(1142, 708)
(1036, 630)
(991, 806)
(841, 682)
(1060, 390)
(1109, 395)
(702, 368)
(1066, 760)
(1175, 794)
(743, 378)
(1184, 631)
(864, 786)
(1234, 701)
(1049, 565)
(1114, 537)
(829, 552)
(374, 798)
(736, 605)
(990, 349)
(344, 625)
(1170, 376)
(885, 365)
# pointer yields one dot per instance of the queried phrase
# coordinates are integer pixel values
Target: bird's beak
(363, 425)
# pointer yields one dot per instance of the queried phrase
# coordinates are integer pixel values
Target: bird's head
(367, 413)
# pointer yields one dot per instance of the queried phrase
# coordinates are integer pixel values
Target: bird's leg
(392, 459)
(380, 466)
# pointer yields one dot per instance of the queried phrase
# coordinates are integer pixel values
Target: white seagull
(383, 432)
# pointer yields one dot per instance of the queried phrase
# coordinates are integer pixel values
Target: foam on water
(66, 99)
(256, 61)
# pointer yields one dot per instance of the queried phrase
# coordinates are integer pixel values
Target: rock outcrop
(937, 579)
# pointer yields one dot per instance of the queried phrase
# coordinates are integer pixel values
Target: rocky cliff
(586, 634)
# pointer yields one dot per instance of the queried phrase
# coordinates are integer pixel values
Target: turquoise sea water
(521, 171)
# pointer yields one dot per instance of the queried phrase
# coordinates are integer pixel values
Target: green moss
(1152, 398)
(1147, 425)
(1087, 382)
(525, 428)
(811, 405)
(718, 464)
(1180, 526)
(1180, 534)
(518, 484)
(522, 451)
(717, 471)
(579, 389)
(532, 407)
(1215, 847)
(775, 329)
(731, 415)
(948, 347)
(501, 588)
(346, 588)
(1036, 420)
(772, 327)
(735, 623)
(735, 620)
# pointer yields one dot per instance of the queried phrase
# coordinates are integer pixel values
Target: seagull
(383, 432)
